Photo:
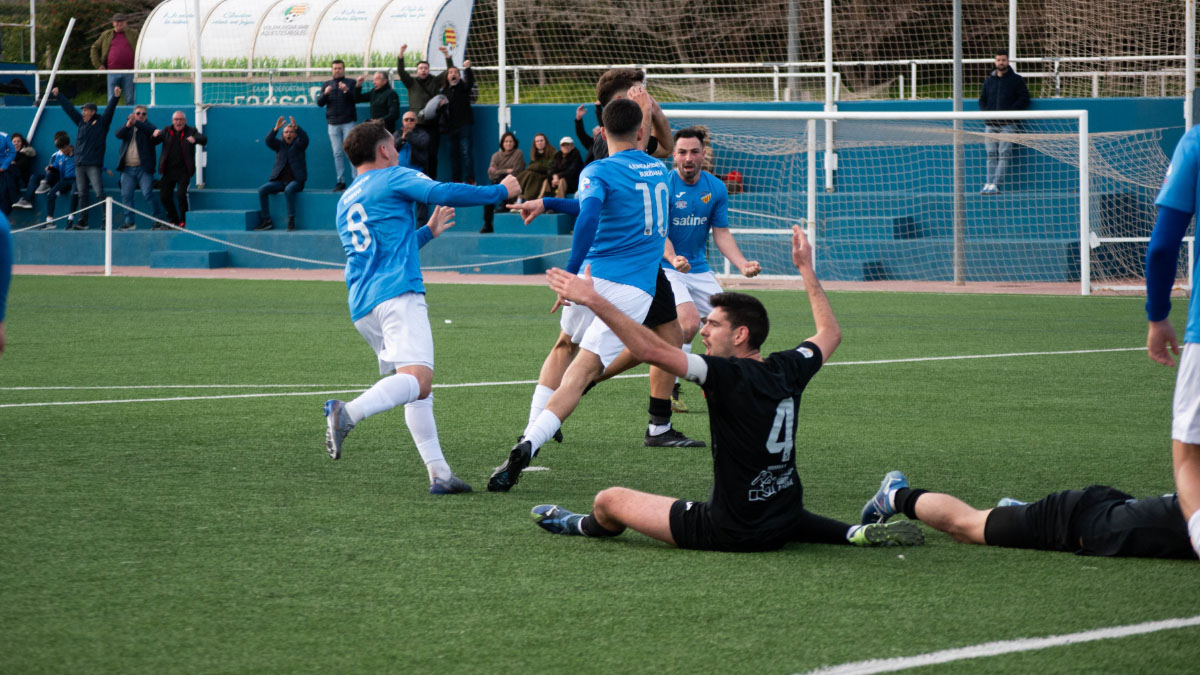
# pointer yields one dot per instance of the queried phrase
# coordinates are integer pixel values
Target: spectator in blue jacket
(60, 180)
(1003, 89)
(136, 164)
(288, 174)
(89, 148)
(337, 97)
(8, 178)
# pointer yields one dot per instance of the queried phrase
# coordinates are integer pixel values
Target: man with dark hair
(1003, 89)
(89, 148)
(337, 97)
(385, 103)
(287, 175)
(421, 90)
(620, 233)
(1098, 520)
(621, 83)
(459, 122)
(177, 164)
(756, 502)
(136, 164)
(386, 292)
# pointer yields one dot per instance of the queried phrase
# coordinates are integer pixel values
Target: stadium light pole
(959, 178)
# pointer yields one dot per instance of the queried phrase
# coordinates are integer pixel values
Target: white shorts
(579, 322)
(695, 287)
(398, 331)
(1185, 424)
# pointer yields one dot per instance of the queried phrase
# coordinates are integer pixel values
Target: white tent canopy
(290, 34)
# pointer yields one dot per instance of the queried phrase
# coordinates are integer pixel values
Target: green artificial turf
(216, 535)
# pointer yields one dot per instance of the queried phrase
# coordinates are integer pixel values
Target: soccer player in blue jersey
(1177, 203)
(620, 234)
(376, 222)
(6, 260)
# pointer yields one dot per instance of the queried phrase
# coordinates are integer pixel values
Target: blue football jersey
(695, 209)
(1179, 191)
(634, 194)
(376, 220)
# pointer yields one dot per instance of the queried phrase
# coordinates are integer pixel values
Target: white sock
(541, 394)
(1194, 531)
(892, 499)
(853, 531)
(659, 429)
(542, 429)
(419, 417)
(390, 392)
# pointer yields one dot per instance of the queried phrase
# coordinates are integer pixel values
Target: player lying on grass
(1098, 520)
(387, 294)
(756, 502)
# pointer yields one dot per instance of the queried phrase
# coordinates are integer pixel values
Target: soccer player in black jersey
(1098, 520)
(756, 502)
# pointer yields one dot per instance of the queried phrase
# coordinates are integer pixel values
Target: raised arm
(723, 238)
(829, 334)
(641, 341)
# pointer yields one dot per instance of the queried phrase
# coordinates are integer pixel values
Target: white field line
(1003, 647)
(343, 389)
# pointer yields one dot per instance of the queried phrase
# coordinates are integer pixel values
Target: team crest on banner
(449, 36)
(294, 12)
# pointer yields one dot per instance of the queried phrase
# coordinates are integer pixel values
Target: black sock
(906, 501)
(589, 387)
(660, 410)
(591, 528)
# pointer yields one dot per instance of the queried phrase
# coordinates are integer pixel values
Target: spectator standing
(337, 97)
(412, 143)
(288, 174)
(421, 89)
(177, 164)
(459, 122)
(565, 166)
(89, 148)
(537, 172)
(136, 164)
(507, 161)
(8, 175)
(1003, 89)
(385, 103)
(113, 50)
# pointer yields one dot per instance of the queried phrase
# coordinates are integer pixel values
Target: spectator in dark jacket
(177, 164)
(459, 122)
(586, 140)
(1003, 89)
(9, 188)
(24, 173)
(385, 103)
(89, 148)
(136, 163)
(412, 142)
(421, 89)
(565, 166)
(337, 97)
(288, 174)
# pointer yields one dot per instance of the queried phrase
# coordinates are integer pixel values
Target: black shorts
(1098, 520)
(692, 527)
(662, 307)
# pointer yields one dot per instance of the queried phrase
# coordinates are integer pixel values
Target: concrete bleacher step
(547, 223)
(197, 259)
(214, 220)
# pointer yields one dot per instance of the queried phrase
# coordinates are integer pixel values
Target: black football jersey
(753, 411)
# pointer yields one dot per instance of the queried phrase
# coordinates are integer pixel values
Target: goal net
(879, 197)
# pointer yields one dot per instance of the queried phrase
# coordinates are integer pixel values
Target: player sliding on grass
(756, 501)
(387, 295)
(1098, 520)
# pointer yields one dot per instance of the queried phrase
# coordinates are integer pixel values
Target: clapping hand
(279, 123)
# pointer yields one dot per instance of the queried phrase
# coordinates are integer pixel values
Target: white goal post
(904, 201)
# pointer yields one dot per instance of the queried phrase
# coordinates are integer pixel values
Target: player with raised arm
(756, 502)
(1177, 202)
(1098, 520)
(376, 223)
(620, 232)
